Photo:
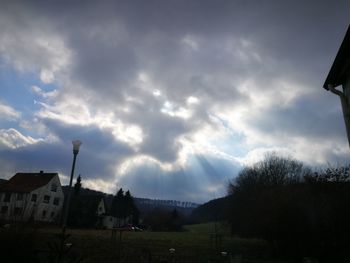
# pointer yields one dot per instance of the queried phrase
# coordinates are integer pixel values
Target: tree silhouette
(130, 208)
(118, 204)
(123, 206)
(77, 185)
(298, 211)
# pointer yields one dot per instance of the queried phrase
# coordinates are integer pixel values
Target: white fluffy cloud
(11, 138)
(8, 112)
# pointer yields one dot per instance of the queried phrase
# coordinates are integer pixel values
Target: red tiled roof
(26, 182)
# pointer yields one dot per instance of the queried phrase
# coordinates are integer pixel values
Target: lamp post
(76, 146)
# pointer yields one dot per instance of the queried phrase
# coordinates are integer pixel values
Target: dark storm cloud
(306, 117)
(42, 156)
(113, 40)
(99, 153)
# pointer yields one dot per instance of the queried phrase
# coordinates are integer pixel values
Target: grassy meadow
(194, 244)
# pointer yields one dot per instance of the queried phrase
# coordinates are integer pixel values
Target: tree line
(123, 207)
(83, 208)
(300, 211)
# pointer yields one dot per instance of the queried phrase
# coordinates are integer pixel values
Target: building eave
(341, 65)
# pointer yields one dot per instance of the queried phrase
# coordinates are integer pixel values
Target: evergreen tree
(131, 209)
(77, 185)
(129, 204)
(123, 206)
(118, 205)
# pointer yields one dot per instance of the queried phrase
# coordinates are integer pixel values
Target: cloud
(178, 93)
(31, 45)
(13, 139)
(8, 112)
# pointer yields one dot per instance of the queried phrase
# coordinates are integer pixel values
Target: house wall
(101, 208)
(346, 87)
(346, 105)
(49, 212)
(12, 205)
(108, 222)
(40, 210)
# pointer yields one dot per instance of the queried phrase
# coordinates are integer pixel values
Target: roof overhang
(341, 65)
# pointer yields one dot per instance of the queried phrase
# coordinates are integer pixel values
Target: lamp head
(76, 146)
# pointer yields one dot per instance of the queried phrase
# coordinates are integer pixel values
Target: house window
(7, 197)
(19, 197)
(34, 197)
(17, 211)
(52, 214)
(44, 213)
(4, 209)
(56, 201)
(46, 199)
(54, 187)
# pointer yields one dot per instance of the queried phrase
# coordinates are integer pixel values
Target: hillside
(144, 204)
(214, 210)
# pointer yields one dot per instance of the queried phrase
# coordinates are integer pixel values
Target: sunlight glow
(156, 93)
(180, 112)
(192, 100)
(139, 160)
(99, 184)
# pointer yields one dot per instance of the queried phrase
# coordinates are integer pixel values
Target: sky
(170, 98)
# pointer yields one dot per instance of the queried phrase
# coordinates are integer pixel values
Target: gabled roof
(2, 181)
(26, 182)
(341, 64)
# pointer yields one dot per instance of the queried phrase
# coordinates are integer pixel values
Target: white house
(86, 210)
(108, 221)
(36, 196)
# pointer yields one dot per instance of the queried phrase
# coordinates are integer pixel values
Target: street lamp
(76, 146)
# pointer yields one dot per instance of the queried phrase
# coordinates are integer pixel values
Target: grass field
(195, 244)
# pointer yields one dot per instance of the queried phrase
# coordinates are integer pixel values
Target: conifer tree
(77, 185)
(118, 204)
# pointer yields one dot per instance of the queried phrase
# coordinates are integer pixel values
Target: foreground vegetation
(276, 209)
(195, 244)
